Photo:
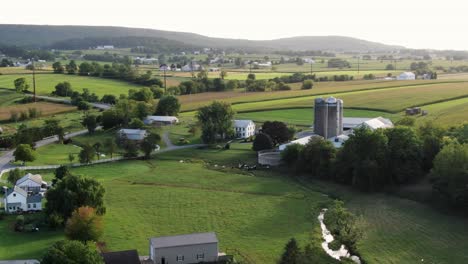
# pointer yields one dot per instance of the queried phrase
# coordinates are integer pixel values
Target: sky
(410, 23)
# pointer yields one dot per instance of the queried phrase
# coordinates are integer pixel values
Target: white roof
(300, 141)
(378, 122)
(163, 118)
(242, 123)
(407, 74)
(132, 131)
(184, 240)
(33, 177)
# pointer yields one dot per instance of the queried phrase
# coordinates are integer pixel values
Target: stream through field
(328, 237)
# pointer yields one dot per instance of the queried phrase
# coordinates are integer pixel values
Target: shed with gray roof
(188, 248)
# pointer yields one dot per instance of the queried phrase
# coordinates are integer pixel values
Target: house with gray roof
(184, 249)
(17, 199)
(31, 183)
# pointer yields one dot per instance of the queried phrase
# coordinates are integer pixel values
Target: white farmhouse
(31, 183)
(132, 134)
(161, 120)
(17, 199)
(191, 248)
(406, 76)
(244, 128)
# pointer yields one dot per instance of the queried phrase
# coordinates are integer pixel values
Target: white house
(17, 199)
(406, 76)
(31, 183)
(133, 134)
(244, 128)
(191, 248)
(161, 120)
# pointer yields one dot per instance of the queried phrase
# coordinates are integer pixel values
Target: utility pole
(358, 61)
(34, 80)
(165, 87)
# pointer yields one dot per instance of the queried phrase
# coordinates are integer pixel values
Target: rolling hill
(46, 36)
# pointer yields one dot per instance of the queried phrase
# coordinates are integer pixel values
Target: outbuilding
(132, 134)
(161, 120)
(406, 76)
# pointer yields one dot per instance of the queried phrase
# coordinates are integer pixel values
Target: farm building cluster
(26, 195)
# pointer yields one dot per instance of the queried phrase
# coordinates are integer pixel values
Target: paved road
(8, 156)
(68, 101)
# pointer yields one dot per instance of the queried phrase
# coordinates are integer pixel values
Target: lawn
(305, 116)
(45, 83)
(45, 108)
(55, 154)
(8, 97)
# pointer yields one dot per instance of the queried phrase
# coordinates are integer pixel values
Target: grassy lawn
(55, 154)
(305, 116)
(45, 83)
(8, 97)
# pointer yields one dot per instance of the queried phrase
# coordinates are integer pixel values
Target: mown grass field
(448, 113)
(45, 83)
(8, 97)
(305, 116)
(55, 154)
(44, 108)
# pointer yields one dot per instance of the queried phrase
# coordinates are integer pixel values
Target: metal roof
(34, 199)
(33, 177)
(133, 131)
(18, 190)
(184, 240)
(121, 257)
(242, 123)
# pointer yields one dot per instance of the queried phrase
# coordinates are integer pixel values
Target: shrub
(307, 84)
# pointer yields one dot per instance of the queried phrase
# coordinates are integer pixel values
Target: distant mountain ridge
(46, 35)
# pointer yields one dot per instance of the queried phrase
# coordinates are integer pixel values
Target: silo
(328, 117)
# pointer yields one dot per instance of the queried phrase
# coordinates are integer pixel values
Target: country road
(68, 101)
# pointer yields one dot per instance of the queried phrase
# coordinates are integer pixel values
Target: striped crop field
(44, 108)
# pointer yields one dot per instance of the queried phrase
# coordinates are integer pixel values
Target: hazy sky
(411, 23)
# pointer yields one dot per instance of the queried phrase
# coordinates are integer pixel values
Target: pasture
(55, 154)
(8, 97)
(45, 83)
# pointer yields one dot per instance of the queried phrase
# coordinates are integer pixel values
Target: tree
(144, 94)
(87, 154)
(290, 155)
(390, 67)
(131, 149)
(71, 67)
(316, 158)
(168, 106)
(343, 225)
(58, 67)
(291, 254)
(278, 131)
(149, 143)
(158, 92)
(136, 123)
(141, 110)
(84, 225)
(431, 137)
(223, 74)
(111, 118)
(307, 84)
(71, 157)
(362, 160)
(24, 153)
(86, 68)
(83, 106)
(21, 85)
(72, 192)
(71, 252)
(14, 176)
(109, 99)
(90, 122)
(261, 142)
(404, 156)
(63, 89)
(111, 146)
(97, 147)
(406, 121)
(60, 173)
(216, 121)
(450, 175)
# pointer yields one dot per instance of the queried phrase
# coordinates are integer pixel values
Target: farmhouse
(161, 120)
(17, 199)
(191, 248)
(406, 76)
(132, 134)
(31, 183)
(244, 128)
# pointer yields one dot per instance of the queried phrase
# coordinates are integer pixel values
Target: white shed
(406, 76)
(161, 120)
(133, 134)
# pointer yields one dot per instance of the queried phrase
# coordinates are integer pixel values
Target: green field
(45, 83)
(452, 112)
(8, 97)
(55, 154)
(305, 116)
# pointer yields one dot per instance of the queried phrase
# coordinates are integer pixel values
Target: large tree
(63, 89)
(24, 153)
(21, 85)
(90, 122)
(58, 67)
(168, 106)
(216, 121)
(72, 252)
(73, 192)
(14, 176)
(316, 158)
(404, 156)
(450, 175)
(149, 144)
(71, 67)
(87, 154)
(262, 141)
(278, 131)
(84, 225)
